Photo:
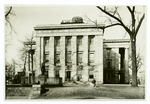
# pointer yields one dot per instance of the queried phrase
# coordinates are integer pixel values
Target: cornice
(68, 26)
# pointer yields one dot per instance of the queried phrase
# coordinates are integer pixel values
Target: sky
(28, 16)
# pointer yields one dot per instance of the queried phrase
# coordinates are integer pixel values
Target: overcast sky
(27, 17)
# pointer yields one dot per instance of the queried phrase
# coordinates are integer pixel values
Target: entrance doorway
(68, 75)
(108, 78)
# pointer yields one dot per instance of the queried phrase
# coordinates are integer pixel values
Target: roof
(116, 41)
(67, 26)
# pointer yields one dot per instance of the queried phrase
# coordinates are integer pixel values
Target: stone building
(74, 50)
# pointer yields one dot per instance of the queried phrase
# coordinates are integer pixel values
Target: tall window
(91, 74)
(69, 57)
(46, 44)
(46, 57)
(108, 53)
(57, 42)
(68, 40)
(79, 43)
(91, 42)
(46, 64)
(79, 40)
(56, 73)
(57, 59)
(79, 58)
(109, 63)
(91, 58)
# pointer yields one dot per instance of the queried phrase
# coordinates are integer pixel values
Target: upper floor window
(108, 53)
(46, 43)
(68, 40)
(57, 41)
(109, 63)
(79, 40)
(69, 57)
(57, 59)
(91, 58)
(91, 42)
(79, 58)
(46, 57)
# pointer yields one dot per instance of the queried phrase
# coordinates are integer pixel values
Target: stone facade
(78, 52)
(115, 59)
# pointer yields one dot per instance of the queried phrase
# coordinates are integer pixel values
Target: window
(79, 40)
(68, 41)
(69, 57)
(108, 52)
(46, 64)
(57, 58)
(56, 73)
(46, 67)
(91, 42)
(91, 58)
(57, 41)
(46, 43)
(108, 62)
(46, 57)
(79, 58)
(91, 74)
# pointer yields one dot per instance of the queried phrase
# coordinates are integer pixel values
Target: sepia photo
(75, 52)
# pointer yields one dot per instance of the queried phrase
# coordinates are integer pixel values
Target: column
(74, 56)
(62, 58)
(126, 66)
(85, 59)
(51, 57)
(115, 64)
(98, 72)
(28, 61)
(37, 55)
(42, 50)
(116, 58)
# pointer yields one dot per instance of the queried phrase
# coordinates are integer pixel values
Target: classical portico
(77, 51)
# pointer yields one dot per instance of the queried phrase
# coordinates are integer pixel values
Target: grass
(87, 92)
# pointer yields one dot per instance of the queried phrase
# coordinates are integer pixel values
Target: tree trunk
(133, 56)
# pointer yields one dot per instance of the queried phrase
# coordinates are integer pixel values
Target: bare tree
(131, 29)
(9, 29)
(139, 60)
(24, 50)
(8, 23)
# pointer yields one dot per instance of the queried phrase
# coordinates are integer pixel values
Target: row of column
(98, 56)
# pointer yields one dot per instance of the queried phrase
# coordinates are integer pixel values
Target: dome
(77, 19)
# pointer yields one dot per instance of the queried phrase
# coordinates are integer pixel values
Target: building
(74, 50)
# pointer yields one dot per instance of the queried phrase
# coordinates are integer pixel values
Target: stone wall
(22, 92)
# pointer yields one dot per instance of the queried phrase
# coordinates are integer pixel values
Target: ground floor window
(56, 73)
(91, 75)
(79, 77)
(68, 75)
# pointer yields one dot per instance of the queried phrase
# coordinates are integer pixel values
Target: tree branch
(137, 29)
(112, 25)
(8, 12)
(121, 23)
(129, 9)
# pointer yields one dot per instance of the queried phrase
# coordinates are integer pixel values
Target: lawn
(87, 92)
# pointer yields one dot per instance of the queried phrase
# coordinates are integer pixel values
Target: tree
(25, 51)
(7, 19)
(139, 60)
(131, 29)
(9, 29)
